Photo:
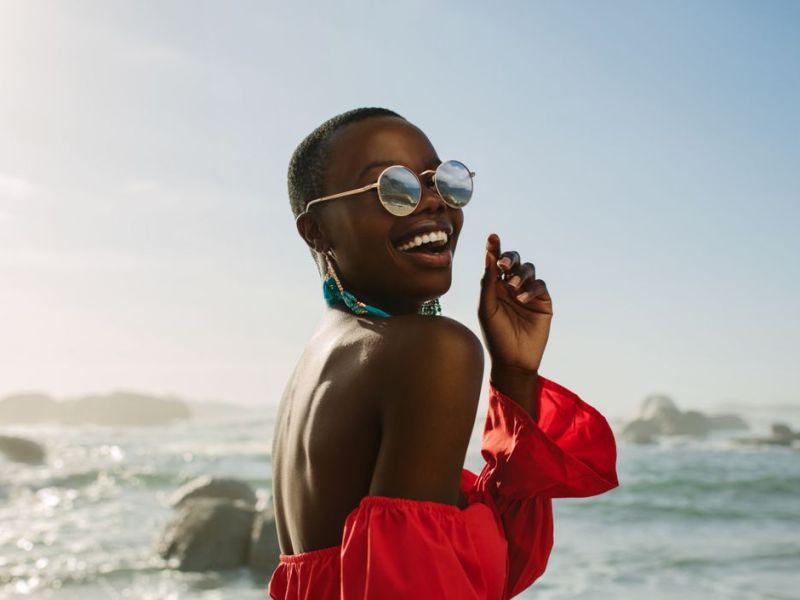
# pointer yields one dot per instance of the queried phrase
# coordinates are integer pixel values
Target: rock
(781, 432)
(215, 487)
(640, 431)
(658, 408)
(122, 409)
(690, 422)
(116, 409)
(208, 534)
(660, 416)
(32, 407)
(21, 450)
(264, 548)
(782, 435)
(727, 421)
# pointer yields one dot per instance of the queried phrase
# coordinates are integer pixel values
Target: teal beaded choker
(334, 293)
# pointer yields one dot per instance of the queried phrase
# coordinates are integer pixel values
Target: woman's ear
(310, 230)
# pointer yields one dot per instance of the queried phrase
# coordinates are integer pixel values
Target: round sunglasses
(400, 189)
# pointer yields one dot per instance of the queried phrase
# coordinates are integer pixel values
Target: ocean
(707, 519)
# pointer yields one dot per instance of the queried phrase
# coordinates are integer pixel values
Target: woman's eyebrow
(388, 163)
(376, 163)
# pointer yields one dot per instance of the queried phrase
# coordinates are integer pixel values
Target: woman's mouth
(430, 249)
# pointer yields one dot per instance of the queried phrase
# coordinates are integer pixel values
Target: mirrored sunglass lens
(454, 183)
(399, 190)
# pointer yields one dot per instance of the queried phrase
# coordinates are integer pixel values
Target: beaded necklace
(333, 292)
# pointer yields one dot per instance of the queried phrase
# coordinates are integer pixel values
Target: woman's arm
(431, 374)
(520, 384)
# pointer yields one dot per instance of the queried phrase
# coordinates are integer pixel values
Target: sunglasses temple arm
(339, 195)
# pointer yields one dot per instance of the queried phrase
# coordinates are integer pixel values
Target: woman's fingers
(508, 261)
(536, 288)
(520, 276)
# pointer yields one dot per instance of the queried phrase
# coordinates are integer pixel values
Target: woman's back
(327, 437)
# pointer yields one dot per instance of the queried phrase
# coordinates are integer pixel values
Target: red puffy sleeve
(499, 544)
(569, 451)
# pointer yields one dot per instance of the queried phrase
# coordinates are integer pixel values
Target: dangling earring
(333, 291)
(431, 308)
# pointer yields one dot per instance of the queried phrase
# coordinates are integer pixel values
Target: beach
(701, 519)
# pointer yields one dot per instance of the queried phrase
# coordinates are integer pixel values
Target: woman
(371, 498)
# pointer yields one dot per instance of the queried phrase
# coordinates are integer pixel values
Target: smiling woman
(372, 499)
(354, 234)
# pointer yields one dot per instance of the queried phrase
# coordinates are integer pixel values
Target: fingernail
(504, 263)
(523, 296)
(514, 281)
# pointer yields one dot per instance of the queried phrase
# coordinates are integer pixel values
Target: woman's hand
(515, 330)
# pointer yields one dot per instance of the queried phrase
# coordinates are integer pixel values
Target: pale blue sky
(644, 156)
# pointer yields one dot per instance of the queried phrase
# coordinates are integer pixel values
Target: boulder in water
(22, 450)
(118, 408)
(123, 408)
(782, 433)
(658, 407)
(208, 534)
(660, 416)
(727, 421)
(264, 548)
(215, 487)
(640, 431)
(690, 422)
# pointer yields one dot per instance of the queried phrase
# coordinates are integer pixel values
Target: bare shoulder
(412, 350)
(403, 333)
(429, 371)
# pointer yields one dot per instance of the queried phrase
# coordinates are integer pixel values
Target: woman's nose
(430, 198)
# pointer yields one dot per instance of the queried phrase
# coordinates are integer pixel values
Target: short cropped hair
(309, 162)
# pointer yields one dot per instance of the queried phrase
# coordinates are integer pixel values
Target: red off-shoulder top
(493, 549)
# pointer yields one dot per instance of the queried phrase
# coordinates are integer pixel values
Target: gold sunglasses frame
(377, 183)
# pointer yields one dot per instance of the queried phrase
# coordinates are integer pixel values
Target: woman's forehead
(379, 139)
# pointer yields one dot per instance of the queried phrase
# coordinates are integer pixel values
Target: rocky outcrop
(118, 408)
(658, 408)
(691, 422)
(781, 435)
(727, 421)
(22, 450)
(31, 407)
(208, 534)
(215, 487)
(264, 548)
(659, 415)
(220, 525)
(640, 431)
(123, 409)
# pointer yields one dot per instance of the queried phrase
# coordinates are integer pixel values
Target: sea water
(704, 519)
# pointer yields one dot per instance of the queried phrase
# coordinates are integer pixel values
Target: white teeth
(425, 238)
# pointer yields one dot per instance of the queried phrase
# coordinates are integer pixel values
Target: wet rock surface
(208, 534)
(781, 435)
(660, 416)
(22, 450)
(220, 524)
(215, 487)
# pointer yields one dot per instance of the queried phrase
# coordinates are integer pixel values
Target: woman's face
(364, 237)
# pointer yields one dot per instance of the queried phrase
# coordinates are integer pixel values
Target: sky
(644, 156)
